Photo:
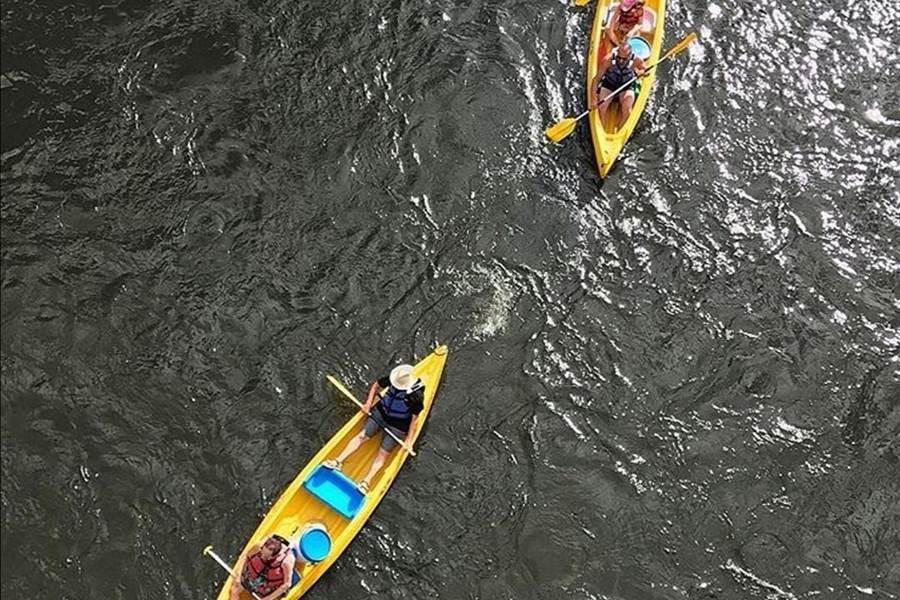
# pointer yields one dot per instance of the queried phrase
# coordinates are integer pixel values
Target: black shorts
(607, 85)
(387, 442)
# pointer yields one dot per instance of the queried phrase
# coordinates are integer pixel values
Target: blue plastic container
(640, 47)
(336, 490)
(315, 544)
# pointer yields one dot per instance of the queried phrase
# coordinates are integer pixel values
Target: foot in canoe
(393, 413)
(617, 69)
(333, 464)
(363, 487)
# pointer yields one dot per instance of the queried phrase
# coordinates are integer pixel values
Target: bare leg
(626, 103)
(604, 93)
(353, 446)
(376, 465)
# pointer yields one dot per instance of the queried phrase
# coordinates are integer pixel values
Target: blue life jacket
(617, 74)
(394, 406)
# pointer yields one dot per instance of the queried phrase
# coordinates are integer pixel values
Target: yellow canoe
(297, 507)
(608, 137)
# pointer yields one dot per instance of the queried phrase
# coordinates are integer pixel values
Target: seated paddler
(397, 410)
(617, 69)
(267, 570)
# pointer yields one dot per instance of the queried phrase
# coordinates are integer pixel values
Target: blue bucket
(315, 544)
(640, 47)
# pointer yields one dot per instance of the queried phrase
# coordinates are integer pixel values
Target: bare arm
(592, 98)
(413, 425)
(604, 65)
(601, 71)
(640, 67)
(236, 586)
(371, 398)
(612, 27)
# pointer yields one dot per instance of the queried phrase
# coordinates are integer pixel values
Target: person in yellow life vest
(616, 69)
(267, 570)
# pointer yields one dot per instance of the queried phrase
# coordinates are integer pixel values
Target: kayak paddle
(349, 394)
(208, 551)
(560, 131)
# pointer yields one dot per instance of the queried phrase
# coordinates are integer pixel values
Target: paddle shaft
(209, 552)
(369, 414)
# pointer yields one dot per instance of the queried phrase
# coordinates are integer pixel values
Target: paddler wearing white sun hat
(397, 409)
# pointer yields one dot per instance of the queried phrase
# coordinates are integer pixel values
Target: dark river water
(680, 382)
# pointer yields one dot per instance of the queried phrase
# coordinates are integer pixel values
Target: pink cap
(626, 4)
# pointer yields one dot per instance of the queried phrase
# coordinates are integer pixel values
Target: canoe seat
(336, 490)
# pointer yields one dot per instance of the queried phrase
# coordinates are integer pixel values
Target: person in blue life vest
(398, 410)
(616, 69)
(267, 570)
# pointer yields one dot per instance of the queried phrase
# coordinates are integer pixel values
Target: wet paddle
(561, 130)
(349, 394)
(208, 551)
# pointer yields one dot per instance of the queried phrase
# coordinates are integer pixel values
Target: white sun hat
(402, 377)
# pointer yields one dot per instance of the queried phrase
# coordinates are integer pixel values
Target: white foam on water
(742, 573)
(567, 419)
